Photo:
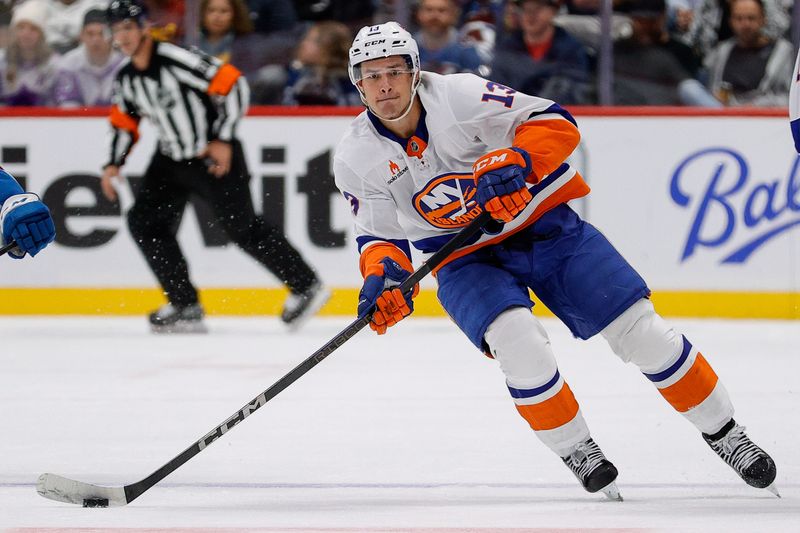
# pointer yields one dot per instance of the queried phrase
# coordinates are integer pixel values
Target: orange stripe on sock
(551, 413)
(693, 388)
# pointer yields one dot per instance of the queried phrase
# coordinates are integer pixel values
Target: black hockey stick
(66, 490)
(7, 247)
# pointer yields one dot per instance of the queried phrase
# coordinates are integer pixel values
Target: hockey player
(428, 154)
(195, 102)
(24, 219)
(794, 104)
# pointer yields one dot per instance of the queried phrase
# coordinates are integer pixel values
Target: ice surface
(413, 431)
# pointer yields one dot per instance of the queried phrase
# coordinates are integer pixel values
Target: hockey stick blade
(66, 490)
(69, 491)
(7, 247)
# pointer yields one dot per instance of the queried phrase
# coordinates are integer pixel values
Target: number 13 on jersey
(499, 93)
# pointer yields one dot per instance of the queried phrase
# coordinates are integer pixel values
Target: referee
(195, 102)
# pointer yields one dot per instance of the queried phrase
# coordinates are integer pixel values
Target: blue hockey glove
(501, 186)
(380, 290)
(27, 221)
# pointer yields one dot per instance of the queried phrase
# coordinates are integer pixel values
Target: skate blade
(773, 489)
(316, 303)
(180, 327)
(612, 492)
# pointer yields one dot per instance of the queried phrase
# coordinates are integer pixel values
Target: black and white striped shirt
(190, 97)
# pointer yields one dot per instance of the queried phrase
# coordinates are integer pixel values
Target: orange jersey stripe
(372, 256)
(370, 261)
(549, 141)
(223, 81)
(553, 412)
(124, 121)
(693, 387)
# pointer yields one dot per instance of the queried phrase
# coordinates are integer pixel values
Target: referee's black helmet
(119, 10)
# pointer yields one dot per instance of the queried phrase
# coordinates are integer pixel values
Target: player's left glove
(27, 221)
(380, 290)
(500, 179)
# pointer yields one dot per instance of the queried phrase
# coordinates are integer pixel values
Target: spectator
(481, 36)
(354, 13)
(221, 22)
(318, 75)
(680, 16)
(490, 11)
(750, 68)
(27, 71)
(272, 15)
(264, 55)
(652, 68)
(711, 24)
(5, 20)
(65, 21)
(543, 59)
(588, 7)
(85, 75)
(439, 48)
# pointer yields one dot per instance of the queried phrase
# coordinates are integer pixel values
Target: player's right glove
(500, 179)
(380, 290)
(27, 221)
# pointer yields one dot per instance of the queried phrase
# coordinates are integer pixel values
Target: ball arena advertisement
(705, 207)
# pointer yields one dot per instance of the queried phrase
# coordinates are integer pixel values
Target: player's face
(386, 83)
(127, 35)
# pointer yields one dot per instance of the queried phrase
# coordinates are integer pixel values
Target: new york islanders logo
(448, 201)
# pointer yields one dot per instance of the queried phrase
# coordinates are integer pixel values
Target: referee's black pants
(155, 216)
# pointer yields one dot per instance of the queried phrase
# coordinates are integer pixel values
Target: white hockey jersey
(420, 191)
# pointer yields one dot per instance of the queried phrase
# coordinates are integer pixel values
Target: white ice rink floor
(411, 432)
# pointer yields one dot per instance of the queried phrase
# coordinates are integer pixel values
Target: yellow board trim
(253, 301)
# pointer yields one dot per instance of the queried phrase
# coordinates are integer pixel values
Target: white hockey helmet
(383, 40)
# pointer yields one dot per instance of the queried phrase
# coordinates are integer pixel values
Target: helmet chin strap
(415, 84)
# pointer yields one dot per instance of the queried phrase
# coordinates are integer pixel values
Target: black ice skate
(752, 463)
(171, 319)
(299, 307)
(593, 470)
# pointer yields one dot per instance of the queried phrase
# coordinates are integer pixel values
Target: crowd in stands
(711, 53)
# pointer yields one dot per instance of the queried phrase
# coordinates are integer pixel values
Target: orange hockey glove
(500, 177)
(381, 293)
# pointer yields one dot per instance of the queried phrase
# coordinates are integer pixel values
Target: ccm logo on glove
(502, 189)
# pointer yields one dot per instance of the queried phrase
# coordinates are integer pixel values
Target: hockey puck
(95, 502)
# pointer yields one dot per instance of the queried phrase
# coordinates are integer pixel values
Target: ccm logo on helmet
(373, 43)
(483, 163)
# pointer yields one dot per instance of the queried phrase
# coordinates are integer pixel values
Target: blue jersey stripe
(557, 109)
(400, 243)
(432, 244)
(661, 376)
